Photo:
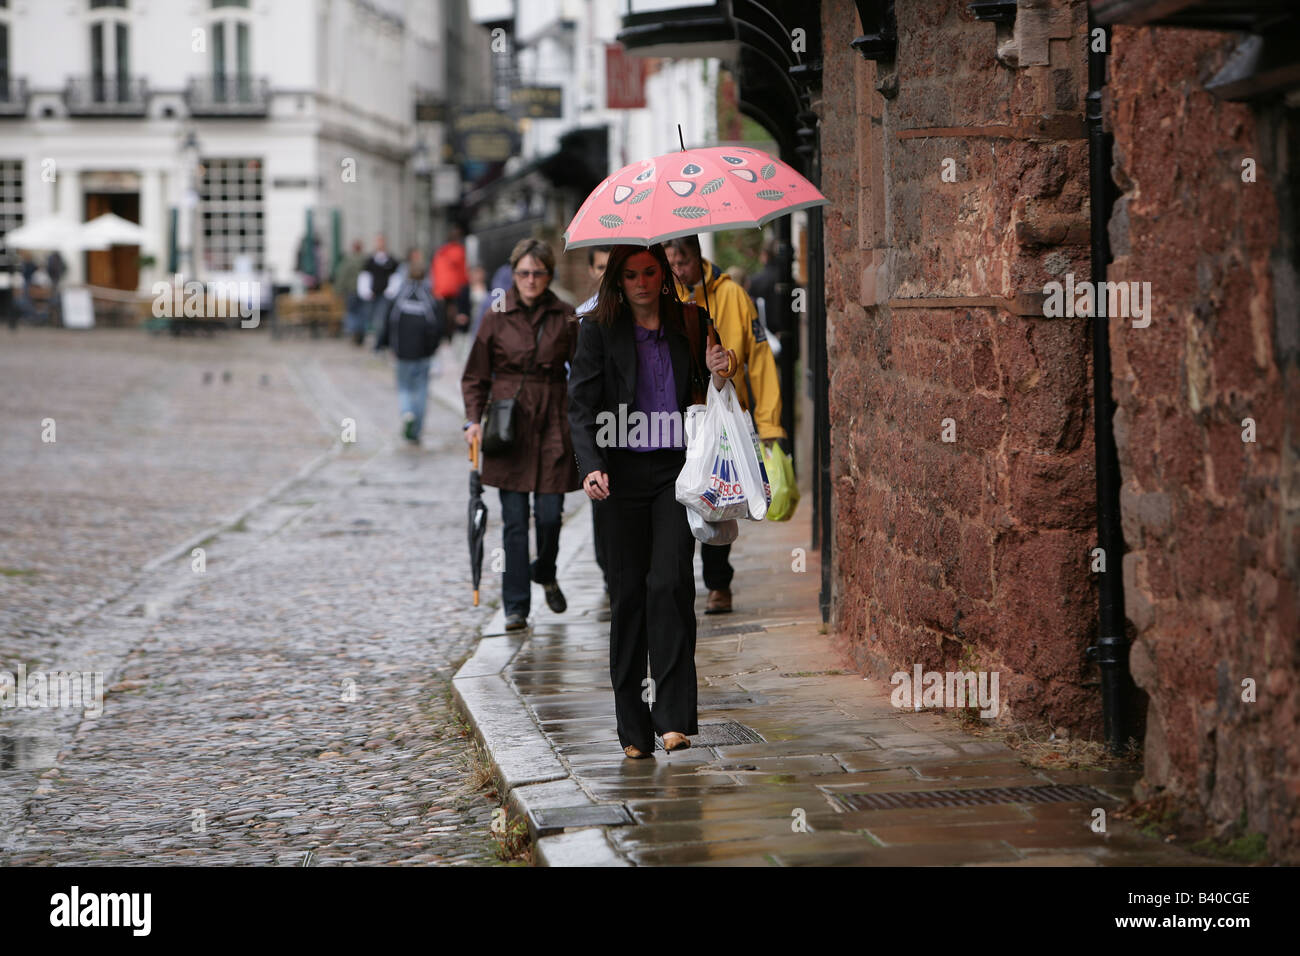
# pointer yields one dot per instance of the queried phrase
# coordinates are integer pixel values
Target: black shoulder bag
(499, 419)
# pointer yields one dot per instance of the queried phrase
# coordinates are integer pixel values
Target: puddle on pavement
(27, 753)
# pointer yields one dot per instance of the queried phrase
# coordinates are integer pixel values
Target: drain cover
(28, 753)
(556, 819)
(731, 629)
(983, 796)
(725, 702)
(727, 733)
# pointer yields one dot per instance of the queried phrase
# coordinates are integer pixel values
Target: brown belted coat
(542, 457)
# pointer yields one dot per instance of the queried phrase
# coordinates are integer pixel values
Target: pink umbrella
(687, 192)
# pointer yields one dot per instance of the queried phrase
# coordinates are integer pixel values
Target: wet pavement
(798, 761)
(287, 704)
(290, 703)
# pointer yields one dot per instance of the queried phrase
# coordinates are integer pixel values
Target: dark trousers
(650, 555)
(547, 511)
(598, 536)
(717, 568)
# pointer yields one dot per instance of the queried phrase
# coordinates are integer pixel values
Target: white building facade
(220, 126)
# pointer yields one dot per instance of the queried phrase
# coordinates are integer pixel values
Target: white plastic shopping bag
(713, 532)
(723, 476)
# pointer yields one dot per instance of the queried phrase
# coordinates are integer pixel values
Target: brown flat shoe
(719, 602)
(635, 754)
(675, 741)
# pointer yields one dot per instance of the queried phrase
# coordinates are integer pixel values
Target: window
(11, 200)
(231, 57)
(110, 53)
(230, 207)
(4, 60)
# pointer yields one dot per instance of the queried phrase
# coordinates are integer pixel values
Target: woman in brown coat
(521, 352)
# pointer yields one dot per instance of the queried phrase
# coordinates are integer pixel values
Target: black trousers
(718, 571)
(650, 556)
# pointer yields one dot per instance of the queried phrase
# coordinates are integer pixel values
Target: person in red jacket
(449, 276)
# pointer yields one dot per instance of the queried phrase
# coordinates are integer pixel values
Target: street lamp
(190, 154)
(422, 169)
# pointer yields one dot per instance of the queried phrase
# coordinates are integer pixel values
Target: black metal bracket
(998, 11)
(880, 30)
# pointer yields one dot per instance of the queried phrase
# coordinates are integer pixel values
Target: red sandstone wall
(977, 547)
(1211, 523)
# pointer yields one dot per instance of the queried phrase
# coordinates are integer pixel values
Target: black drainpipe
(1111, 650)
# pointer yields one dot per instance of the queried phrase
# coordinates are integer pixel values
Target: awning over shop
(773, 48)
(580, 164)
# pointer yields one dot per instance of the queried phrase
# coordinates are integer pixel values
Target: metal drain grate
(725, 702)
(727, 733)
(979, 797)
(730, 629)
(552, 820)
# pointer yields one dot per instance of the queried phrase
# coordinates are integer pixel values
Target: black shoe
(555, 598)
(408, 427)
(516, 622)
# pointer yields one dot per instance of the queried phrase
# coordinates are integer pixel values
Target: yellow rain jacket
(736, 317)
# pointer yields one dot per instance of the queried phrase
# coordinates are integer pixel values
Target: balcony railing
(106, 96)
(13, 96)
(239, 95)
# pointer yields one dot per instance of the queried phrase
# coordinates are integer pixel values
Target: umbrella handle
(473, 453)
(734, 367)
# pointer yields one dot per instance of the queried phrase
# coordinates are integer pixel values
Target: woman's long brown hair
(609, 309)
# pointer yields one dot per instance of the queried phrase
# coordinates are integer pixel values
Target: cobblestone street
(289, 699)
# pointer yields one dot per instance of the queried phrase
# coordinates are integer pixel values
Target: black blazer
(602, 377)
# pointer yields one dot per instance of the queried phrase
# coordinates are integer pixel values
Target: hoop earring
(664, 290)
(620, 295)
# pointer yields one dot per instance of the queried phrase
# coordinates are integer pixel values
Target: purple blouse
(656, 391)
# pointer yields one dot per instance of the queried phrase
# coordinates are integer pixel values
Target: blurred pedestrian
(55, 269)
(597, 260)
(345, 284)
(373, 283)
(762, 286)
(501, 280)
(414, 328)
(521, 353)
(29, 269)
(450, 277)
(739, 328)
(642, 352)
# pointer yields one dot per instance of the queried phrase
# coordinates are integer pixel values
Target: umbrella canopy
(696, 190)
(112, 230)
(41, 234)
(478, 515)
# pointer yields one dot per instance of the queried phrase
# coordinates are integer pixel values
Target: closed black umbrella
(478, 514)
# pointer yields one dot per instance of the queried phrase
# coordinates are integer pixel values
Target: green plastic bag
(780, 476)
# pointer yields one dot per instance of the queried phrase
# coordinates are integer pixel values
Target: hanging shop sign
(485, 136)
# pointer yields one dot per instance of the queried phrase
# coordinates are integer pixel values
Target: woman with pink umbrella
(642, 351)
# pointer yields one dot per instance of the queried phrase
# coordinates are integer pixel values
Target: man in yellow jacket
(740, 329)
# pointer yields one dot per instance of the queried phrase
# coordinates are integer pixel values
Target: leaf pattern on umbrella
(712, 186)
(769, 171)
(643, 194)
(769, 194)
(611, 222)
(690, 212)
